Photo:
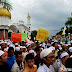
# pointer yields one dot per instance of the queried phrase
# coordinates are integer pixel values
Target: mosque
(6, 26)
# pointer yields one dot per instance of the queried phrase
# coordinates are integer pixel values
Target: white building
(7, 27)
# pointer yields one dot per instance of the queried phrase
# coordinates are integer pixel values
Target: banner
(28, 41)
(16, 37)
(42, 35)
(24, 36)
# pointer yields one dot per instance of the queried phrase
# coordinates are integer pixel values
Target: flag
(16, 37)
(3, 36)
(65, 28)
(24, 36)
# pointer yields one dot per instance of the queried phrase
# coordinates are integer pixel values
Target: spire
(5, 4)
(29, 15)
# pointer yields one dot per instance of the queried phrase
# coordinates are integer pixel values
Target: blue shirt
(11, 61)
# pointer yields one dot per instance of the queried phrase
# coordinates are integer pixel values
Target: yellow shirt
(27, 69)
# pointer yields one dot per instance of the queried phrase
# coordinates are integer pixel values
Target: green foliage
(69, 21)
(33, 34)
(6, 4)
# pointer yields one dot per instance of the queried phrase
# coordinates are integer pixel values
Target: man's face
(30, 63)
(29, 48)
(50, 59)
(4, 58)
(3, 46)
(11, 53)
(64, 59)
(19, 58)
(56, 45)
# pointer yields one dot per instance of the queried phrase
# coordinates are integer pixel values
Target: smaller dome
(5, 12)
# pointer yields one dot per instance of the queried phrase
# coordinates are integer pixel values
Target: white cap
(16, 43)
(71, 41)
(1, 52)
(8, 43)
(31, 51)
(63, 54)
(45, 52)
(40, 45)
(28, 45)
(70, 49)
(22, 47)
(52, 48)
(17, 48)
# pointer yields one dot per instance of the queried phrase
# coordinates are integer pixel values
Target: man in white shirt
(47, 59)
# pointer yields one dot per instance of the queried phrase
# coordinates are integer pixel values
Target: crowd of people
(48, 56)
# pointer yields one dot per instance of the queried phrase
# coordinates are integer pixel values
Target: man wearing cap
(47, 59)
(3, 46)
(3, 66)
(64, 56)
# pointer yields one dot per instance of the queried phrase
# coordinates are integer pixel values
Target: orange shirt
(27, 69)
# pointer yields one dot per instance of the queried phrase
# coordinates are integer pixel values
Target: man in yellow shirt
(30, 64)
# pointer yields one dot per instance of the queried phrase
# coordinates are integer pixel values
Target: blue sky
(50, 15)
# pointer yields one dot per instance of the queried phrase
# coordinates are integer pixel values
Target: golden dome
(5, 12)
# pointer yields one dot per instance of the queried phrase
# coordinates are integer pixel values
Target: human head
(32, 52)
(55, 44)
(3, 57)
(64, 56)
(3, 45)
(38, 50)
(19, 57)
(47, 57)
(29, 47)
(10, 51)
(29, 60)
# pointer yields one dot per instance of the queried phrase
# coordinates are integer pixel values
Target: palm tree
(6, 4)
(69, 22)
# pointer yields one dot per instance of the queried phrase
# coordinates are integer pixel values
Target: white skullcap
(8, 43)
(52, 48)
(11, 45)
(31, 51)
(70, 49)
(67, 44)
(60, 48)
(1, 52)
(23, 47)
(17, 48)
(16, 43)
(55, 41)
(63, 54)
(71, 41)
(45, 52)
(52, 43)
(28, 45)
(40, 45)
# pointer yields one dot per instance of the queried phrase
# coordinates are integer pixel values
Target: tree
(33, 34)
(69, 22)
(6, 4)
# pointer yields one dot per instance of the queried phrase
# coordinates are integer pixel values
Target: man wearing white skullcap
(52, 48)
(64, 56)
(32, 52)
(3, 66)
(47, 59)
(70, 51)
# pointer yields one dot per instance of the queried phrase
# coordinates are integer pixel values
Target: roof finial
(29, 15)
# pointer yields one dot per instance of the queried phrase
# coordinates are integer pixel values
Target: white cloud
(47, 14)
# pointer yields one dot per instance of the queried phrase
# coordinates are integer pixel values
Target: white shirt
(43, 68)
